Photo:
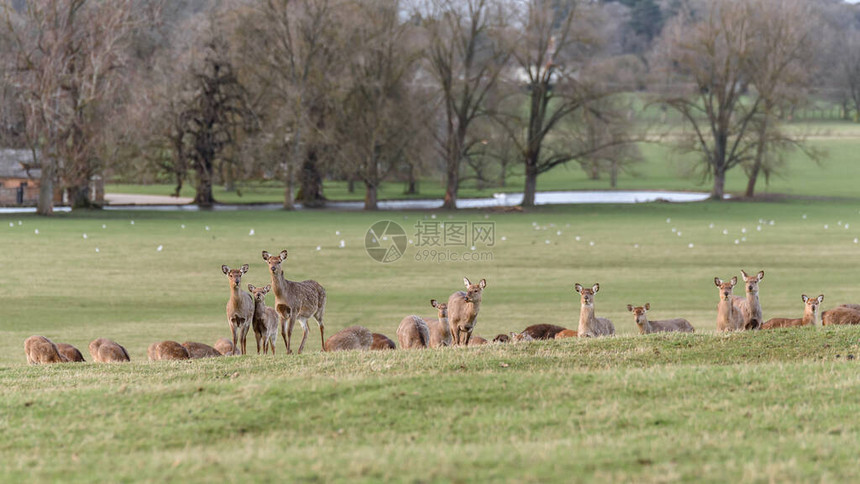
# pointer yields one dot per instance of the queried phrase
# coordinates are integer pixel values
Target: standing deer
(662, 326)
(729, 317)
(413, 333)
(810, 315)
(440, 332)
(295, 300)
(265, 319)
(240, 307)
(40, 350)
(351, 338)
(589, 325)
(463, 310)
(750, 306)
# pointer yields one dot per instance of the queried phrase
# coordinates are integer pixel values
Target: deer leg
(468, 337)
(258, 336)
(235, 336)
(319, 318)
(245, 339)
(291, 322)
(304, 323)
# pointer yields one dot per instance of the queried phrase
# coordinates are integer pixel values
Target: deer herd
(453, 324)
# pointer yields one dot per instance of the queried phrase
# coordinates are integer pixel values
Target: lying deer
(167, 350)
(463, 310)
(440, 332)
(295, 301)
(729, 317)
(477, 341)
(382, 342)
(543, 331)
(70, 352)
(589, 325)
(240, 307)
(810, 315)
(840, 315)
(265, 321)
(568, 333)
(225, 347)
(662, 326)
(413, 333)
(104, 350)
(40, 351)
(352, 338)
(199, 350)
(750, 306)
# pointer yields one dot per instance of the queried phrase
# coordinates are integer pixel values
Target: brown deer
(265, 319)
(520, 337)
(199, 350)
(810, 315)
(477, 341)
(167, 350)
(463, 310)
(543, 331)
(351, 338)
(40, 351)
(850, 306)
(840, 315)
(589, 325)
(750, 306)
(502, 338)
(568, 333)
(662, 326)
(729, 317)
(240, 307)
(382, 342)
(413, 333)
(71, 353)
(440, 332)
(104, 350)
(295, 301)
(225, 347)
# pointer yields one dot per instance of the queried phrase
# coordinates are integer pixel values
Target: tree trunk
(759, 157)
(79, 196)
(530, 188)
(370, 197)
(46, 188)
(719, 189)
(229, 177)
(452, 186)
(613, 174)
(203, 197)
(411, 182)
(350, 184)
(310, 193)
(288, 189)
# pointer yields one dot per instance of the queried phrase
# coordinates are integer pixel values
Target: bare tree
(466, 56)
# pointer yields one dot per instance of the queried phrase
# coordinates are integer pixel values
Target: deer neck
(725, 308)
(235, 293)
(646, 325)
(279, 282)
(811, 317)
(752, 299)
(586, 317)
(259, 307)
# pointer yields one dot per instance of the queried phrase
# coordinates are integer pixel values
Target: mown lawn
(777, 406)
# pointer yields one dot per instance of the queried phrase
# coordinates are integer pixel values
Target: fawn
(729, 317)
(265, 319)
(351, 338)
(240, 307)
(463, 310)
(70, 352)
(104, 350)
(167, 350)
(589, 325)
(543, 331)
(662, 326)
(382, 342)
(40, 350)
(413, 333)
(199, 350)
(750, 306)
(295, 300)
(440, 332)
(568, 333)
(225, 347)
(810, 315)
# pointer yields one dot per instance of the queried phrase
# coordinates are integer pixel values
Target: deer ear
(743, 273)
(433, 303)
(483, 283)
(630, 307)
(820, 298)
(595, 287)
(283, 255)
(466, 282)
(268, 287)
(266, 255)
(760, 275)
(718, 282)
(647, 306)
(225, 269)
(578, 287)
(734, 281)
(244, 268)
(804, 297)
(251, 287)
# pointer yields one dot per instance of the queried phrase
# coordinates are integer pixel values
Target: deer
(477, 341)
(502, 338)
(413, 333)
(729, 316)
(568, 333)
(240, 307)
(167, 350)
(199, 350)
(70, 352)
(840, 315)
(811, 316)
(104, 350)
(662, 326)
(520, 337)
(40, 351)
(382, 342)
(351, 338)
(463, 310)
(750, 306)
(543, 331)
(440, 332)
(225, 347)
(850, 306)
(265, 321)
(295, 301)
(589, 325)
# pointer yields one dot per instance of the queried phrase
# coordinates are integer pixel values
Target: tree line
(378, 91)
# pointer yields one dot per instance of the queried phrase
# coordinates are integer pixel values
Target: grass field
(776, 406)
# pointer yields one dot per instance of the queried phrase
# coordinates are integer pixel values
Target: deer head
(812, 302)
(274, 261)
(726, 287)
(259, 293)
(751, 282)
(235, 275)
(587, 298)
(441, 308)
(473, 291)
(639, 312)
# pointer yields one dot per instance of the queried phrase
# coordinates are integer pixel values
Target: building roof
(13, 164)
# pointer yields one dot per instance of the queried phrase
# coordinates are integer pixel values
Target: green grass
(775, 406)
